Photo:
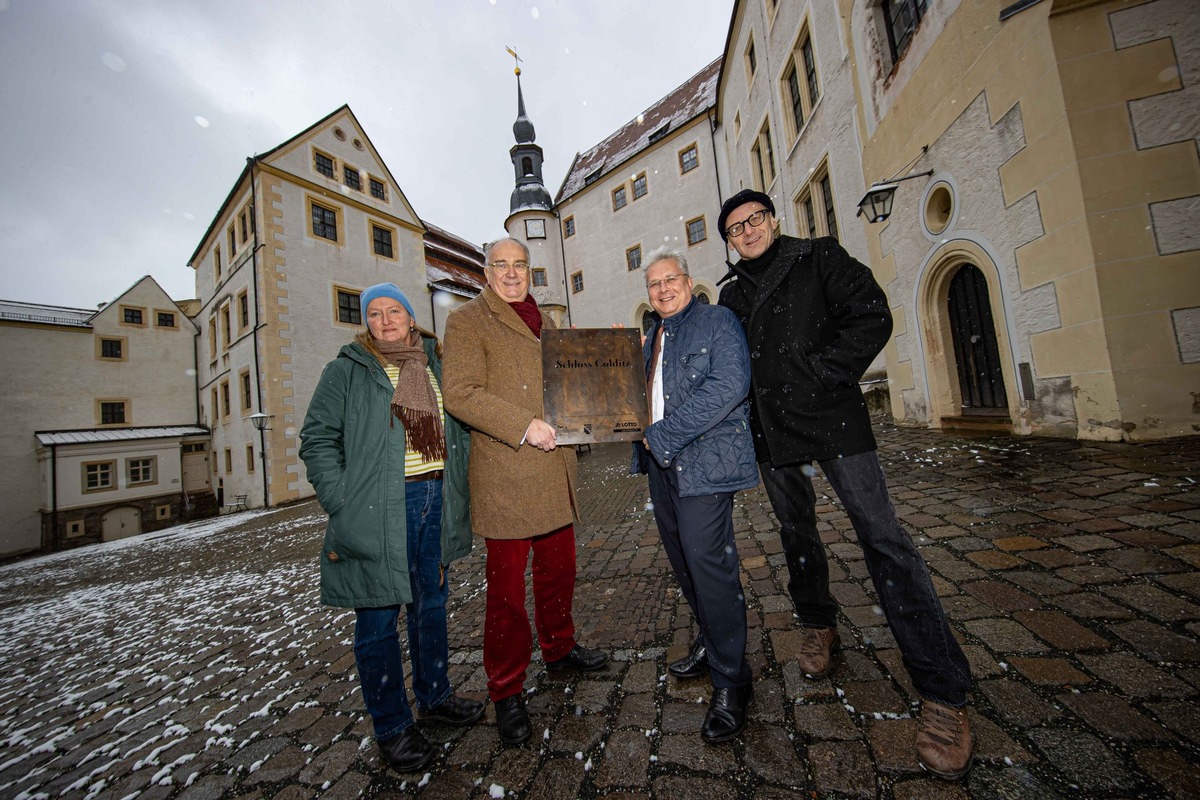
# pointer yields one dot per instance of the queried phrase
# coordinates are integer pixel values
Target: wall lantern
(261, 421)
(877, 202)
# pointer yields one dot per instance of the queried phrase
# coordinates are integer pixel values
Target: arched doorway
(121, 522)
(976, 353)
(965, 344)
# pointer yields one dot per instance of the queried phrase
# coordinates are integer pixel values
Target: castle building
(655, 181)
(306, 227)
(101, 438)
(1041, 256)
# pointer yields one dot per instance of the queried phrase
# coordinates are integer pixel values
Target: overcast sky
(125, 122)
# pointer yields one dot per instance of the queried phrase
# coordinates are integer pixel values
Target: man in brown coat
(522, 485)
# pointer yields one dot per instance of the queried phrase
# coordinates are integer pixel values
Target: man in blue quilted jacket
(698, 451)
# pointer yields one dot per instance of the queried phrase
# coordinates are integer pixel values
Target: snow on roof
(434, 233)
(697, 94)
(46, 438)
(439, 273)
(440, 249)
(17, 311)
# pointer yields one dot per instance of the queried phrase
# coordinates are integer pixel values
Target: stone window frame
(109, 471)
(393, 239)
(138, 463)
(158, 315)
(693, 148)
(633, 257)
(374, 182)
(122, 344)
(352, 306)
(312, 204)
(687, 229)
(245, 390)
(569, 227)
(126, 411)
(243, 310)
(133, 316)
(641, 176)
(577, 281)
(620, 198)
(764, 143)
(317, 164)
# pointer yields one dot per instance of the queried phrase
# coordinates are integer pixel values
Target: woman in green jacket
(390, 469)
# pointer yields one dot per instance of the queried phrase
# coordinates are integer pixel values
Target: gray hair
(487, 252)
(666, 253)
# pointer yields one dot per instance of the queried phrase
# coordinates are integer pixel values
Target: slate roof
(16, 311)
(694, 97)
(452, 263)
(47, 438)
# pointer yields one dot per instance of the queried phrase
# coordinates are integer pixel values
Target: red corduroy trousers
(507, 639)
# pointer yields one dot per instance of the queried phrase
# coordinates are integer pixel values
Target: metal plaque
(594, 385)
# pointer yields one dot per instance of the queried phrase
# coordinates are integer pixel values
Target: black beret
(740, 199)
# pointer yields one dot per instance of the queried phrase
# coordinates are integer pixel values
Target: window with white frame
(140, 471)
(689, 159)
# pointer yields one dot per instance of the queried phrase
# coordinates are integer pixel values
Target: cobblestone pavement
(198, 664)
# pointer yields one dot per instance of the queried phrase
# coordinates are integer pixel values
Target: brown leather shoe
(944, 740)
(816, 650)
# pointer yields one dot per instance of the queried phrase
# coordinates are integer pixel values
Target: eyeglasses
(665, 283)
(754, 220)
(521, 267)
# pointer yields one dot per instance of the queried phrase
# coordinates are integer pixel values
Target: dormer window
(592, 177)
(660, 133)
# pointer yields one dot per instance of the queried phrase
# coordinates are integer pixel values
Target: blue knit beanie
(384, 290)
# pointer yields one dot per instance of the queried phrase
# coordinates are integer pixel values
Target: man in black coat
(815, 318)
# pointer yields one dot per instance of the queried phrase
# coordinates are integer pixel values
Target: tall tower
(531, 218)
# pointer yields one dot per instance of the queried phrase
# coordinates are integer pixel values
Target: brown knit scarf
(414, 401)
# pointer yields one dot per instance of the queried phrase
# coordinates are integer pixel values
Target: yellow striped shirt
(413, 463)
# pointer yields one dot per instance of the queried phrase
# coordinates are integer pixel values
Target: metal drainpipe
(562, 248)
(712, 138)
(262, 435)
(55, 537)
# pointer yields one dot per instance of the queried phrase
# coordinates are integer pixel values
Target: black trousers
(697, 534)
(931, 654)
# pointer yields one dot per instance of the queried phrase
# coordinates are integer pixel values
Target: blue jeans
(376, 640)
(934, 661)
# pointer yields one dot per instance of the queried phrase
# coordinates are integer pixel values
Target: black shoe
(693, 665)
(407, 752)
(512, 720)
(455, 710)
(580, 658)
(726, 714)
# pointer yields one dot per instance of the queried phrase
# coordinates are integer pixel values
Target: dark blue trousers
(697, 534)
(934, 661)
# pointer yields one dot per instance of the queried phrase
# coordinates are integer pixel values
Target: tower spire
(530, 192)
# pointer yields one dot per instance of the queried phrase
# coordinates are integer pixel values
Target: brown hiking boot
(816, 650)
(944, 741)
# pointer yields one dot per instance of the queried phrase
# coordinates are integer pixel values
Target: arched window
(702, 298)
(526, 166)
